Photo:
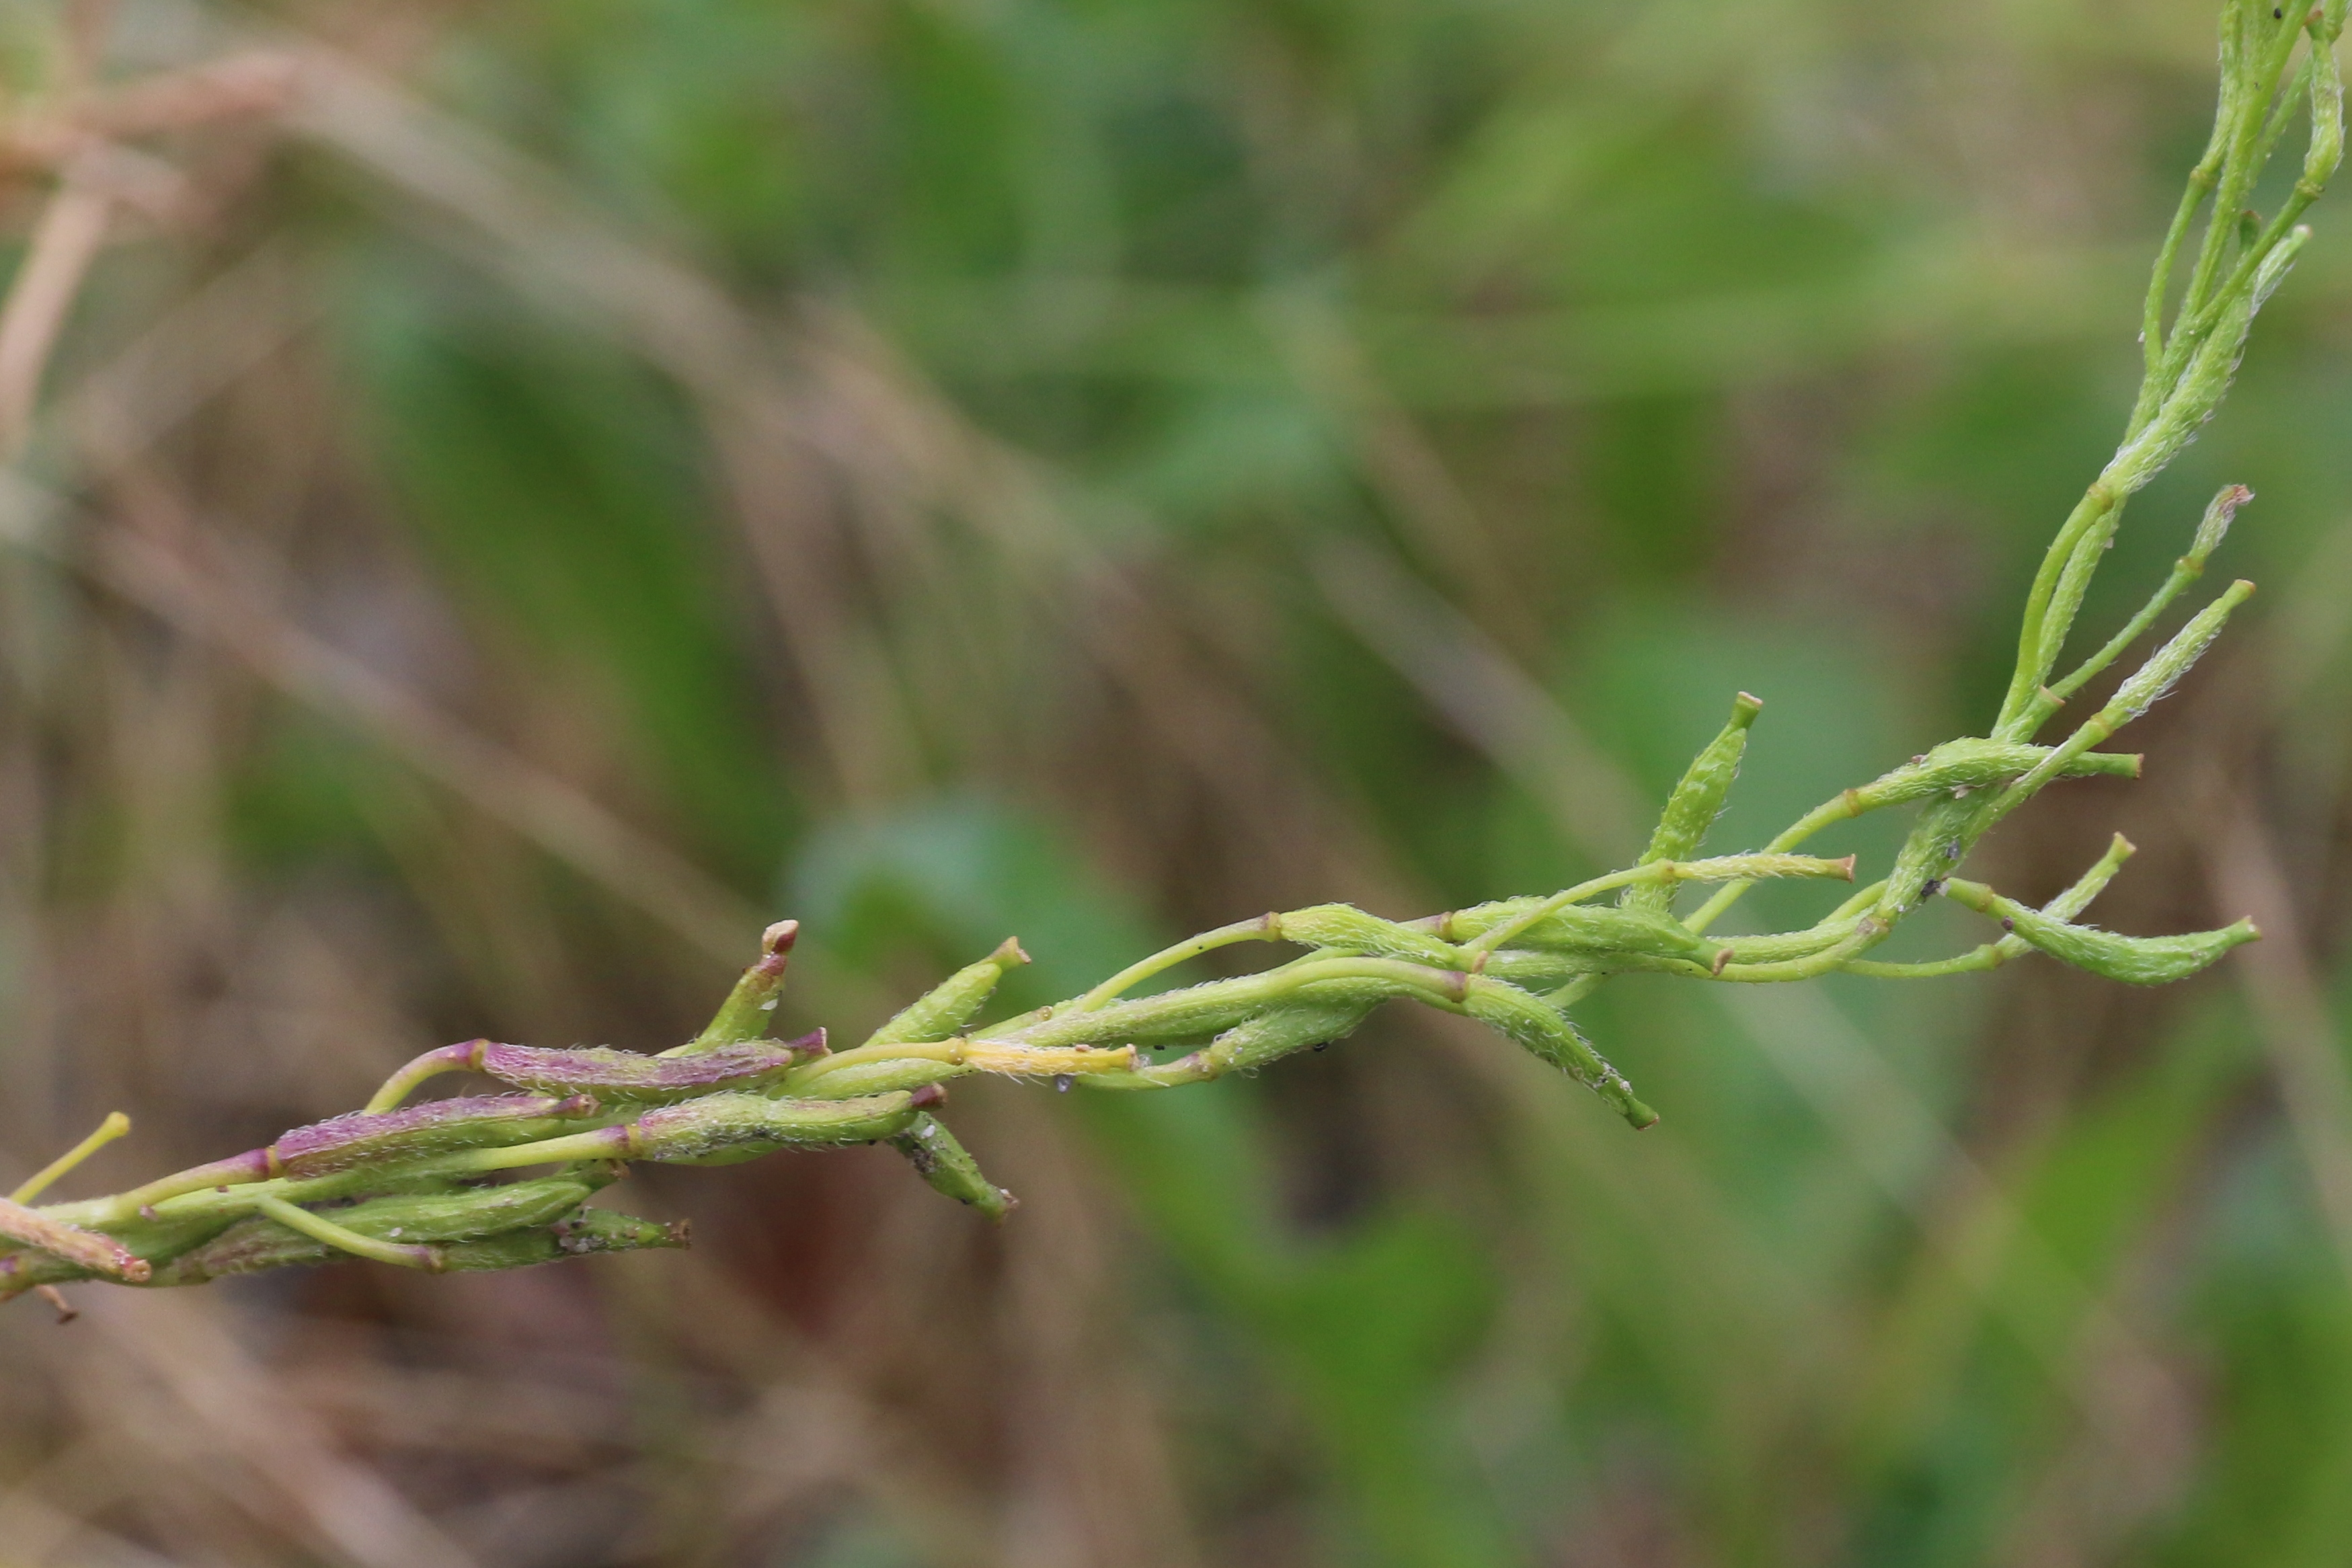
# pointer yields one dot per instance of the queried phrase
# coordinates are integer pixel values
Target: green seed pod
(1302, 1026)
(2137, 959)
(945, 1163)
(1547, 1032)
(852, 1079)
(1172, 1018)
(1942, 838)
(469, 1212)
(749, 1009)
(257, 1244)
(2147, 685)
(1694, 804)
(944, 1011)
(1343, 927)
(1960, 767)
(729, 1124)
(1580, 929)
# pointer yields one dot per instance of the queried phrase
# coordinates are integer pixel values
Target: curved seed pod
(1546, 1032)
(949, 1006)
(435, 1127)
(1343, 927)
(1694, 804)
(949, 1167)
(751, 1005)
(631, 1076)
(2138, 960)
(723, 1123)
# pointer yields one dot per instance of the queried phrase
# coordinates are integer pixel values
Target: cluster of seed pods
(434, 1185)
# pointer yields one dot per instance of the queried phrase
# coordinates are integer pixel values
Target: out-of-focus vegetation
(524, 496)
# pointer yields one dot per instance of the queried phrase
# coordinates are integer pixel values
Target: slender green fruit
(1694, 804)
(950, 1169)
(2135, 959)
(948, 1008)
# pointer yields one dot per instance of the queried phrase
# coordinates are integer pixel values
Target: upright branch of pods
(428, 1185)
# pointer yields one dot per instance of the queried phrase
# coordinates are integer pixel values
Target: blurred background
(504, 501)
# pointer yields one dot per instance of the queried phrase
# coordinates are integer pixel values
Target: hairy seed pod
(1343, 927)
(728, 1124)
(1547, 1032)
(949, 1167)
(1698, 800)
(1973, 765)
(435, 1127)
(1579, 928)
(257, 1243)
(632, 1077)
(2137, 959)
(91, 1251)
(1298, 1027)
(853, 1080)
(949, 1006)
(750, 1007)
(1172, 1018)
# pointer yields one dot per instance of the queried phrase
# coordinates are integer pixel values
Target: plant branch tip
(778, 938)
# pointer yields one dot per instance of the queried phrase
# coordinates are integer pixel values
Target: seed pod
(633, 1076)
(2138, 960)
(1298, 1027)
(2147, 685)
(1973, 765)
(1547, 1032)
(738, 1124)
(257, 1244)
(1172, 1018)
(437, 1126)
(945, 1163)
(853, 1080)
(948, 1007)
(89, 1249)
(1944, 834)
(1694, 804)
(1343, 927)
(751, 1005)
(1580, 928)
(155, 1242)
(472, 1211)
